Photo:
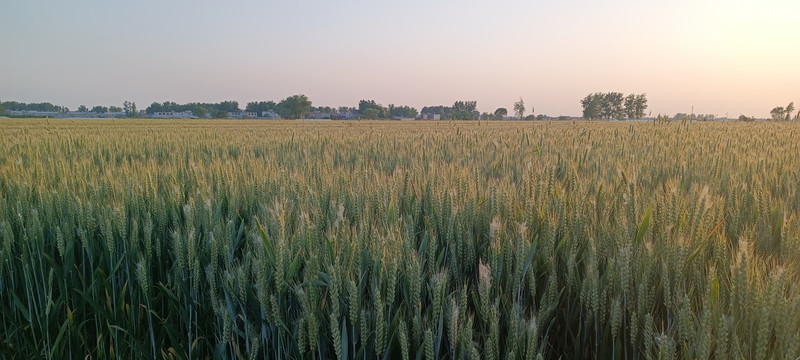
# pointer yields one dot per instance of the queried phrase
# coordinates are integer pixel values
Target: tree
(154, 108)
(640, 105)
(364, 105)
(500, 113)
(746, 118)
(591, 106)
(370, 113)
(260, 107)
(403, 111)
(789, 109)
(294, 107)
(113, 109)
(778, 113)
(129, 108)
(200, 112)
(519, 109)
(83, 108)
(445, 112)
(630, 106)
(229, 106)
(465, 110)
(613, 105)
(2, 108)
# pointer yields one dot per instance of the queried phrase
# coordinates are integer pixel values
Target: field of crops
(301, 240)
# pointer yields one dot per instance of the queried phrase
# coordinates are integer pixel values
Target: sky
(716, 57)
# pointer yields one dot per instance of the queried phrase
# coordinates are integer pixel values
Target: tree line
(595, 106)
(295, 107)
(613, 105)
(780, 113)
(41, 107)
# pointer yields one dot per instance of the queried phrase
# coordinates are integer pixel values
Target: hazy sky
(722, 57)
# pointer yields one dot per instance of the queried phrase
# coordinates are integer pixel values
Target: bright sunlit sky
(722, 57)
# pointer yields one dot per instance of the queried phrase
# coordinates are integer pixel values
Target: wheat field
(399, 240)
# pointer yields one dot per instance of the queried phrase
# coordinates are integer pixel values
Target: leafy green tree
(129, 108)
(13, 105)
(294, 107)
(100, 109)
(260, 106)
(500, 113)
(789, 110)
(591, 106)
(519, 109)
(445, 112)
(154, 108)
(778, 113)
(200, 112)
(114, 109)
(613, 105)
(229, 106)
(83, 108)
(465, 110)
(640, 105)
(630, 106)
(404, 111)
(370, 113)
(364, 105)
(2, 108)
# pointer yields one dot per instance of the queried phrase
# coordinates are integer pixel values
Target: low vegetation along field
(399, 240)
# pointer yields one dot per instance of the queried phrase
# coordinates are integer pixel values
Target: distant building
(269, 114)
(174, 115)
(242, 115)
(430, 116)
(34, 113)
(316, 114)
(344, 115)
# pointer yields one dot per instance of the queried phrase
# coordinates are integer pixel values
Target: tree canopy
(500, 113)
(613, 105)
(445, 112)
(294, 107)
(43, 107)
(260, 106)
(364, 105)
(130, 109)
(465, 110)
(403, 111)
(781, 113)
(519, 109)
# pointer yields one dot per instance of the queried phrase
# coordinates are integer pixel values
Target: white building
(242, 115)
(269, 114)
(174, 115)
